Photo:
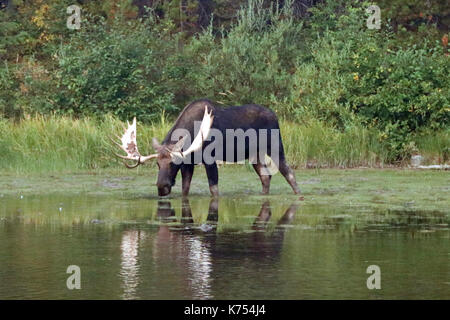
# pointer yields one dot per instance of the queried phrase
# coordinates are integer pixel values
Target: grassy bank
(55, 144)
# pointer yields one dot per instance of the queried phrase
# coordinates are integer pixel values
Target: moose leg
(187, 171)
(264, 177)
(213, 211)
(288, 174)
(213, 178)
(186, 212)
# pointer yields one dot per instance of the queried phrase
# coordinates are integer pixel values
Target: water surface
(232, 248)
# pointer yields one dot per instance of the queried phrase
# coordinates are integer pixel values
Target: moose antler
(202, 134)
(129, 145)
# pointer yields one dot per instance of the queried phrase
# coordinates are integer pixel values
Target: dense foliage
(308, 60)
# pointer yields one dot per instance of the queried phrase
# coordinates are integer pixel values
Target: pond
(236, 247)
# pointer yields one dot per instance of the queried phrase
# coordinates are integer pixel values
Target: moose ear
(156, 144)
(179, 145)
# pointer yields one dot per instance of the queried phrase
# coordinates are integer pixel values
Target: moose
(217, 130)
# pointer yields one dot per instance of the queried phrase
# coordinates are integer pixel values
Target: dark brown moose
(216, 123)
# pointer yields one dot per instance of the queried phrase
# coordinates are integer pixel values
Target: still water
(231, 248)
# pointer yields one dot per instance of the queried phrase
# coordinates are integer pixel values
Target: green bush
(402, 92)
(118, 71)
(355, 75)
(8, 91)
(252, 62)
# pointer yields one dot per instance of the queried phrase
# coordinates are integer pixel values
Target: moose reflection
(195, 255)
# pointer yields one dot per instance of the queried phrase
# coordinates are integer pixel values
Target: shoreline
(389, 188)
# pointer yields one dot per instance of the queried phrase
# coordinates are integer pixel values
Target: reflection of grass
(372, 188)
(235, 215)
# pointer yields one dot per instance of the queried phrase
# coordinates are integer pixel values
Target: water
(233, 248)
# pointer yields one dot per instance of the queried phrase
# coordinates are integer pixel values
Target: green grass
(53, 144)
(392, 189)
(435, 146)
(317, 145)
(63, 144)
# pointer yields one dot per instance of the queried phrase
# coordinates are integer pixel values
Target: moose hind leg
(263, 176)
(289, 175)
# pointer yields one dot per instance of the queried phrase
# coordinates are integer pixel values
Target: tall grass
(62, 143)
(54, 144)
(434, 146)
(317, 145)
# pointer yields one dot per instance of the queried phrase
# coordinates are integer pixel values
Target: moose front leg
(213, 178)
(263, 176)
(187, 171)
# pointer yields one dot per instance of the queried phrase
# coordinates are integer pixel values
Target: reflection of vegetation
(263, 247)
(358, 197)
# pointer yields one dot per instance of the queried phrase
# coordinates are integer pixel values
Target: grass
(317, 145)
(393, 189)
(435, 146)
(63, 144)
(54, 144)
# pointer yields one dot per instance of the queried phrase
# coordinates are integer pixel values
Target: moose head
(166, 153)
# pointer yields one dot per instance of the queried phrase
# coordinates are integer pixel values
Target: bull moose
(219, 124)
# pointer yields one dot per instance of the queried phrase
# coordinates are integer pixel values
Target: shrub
(117, 71)
(356, 75)
(404, 92)
(253, 61)
(8, 92)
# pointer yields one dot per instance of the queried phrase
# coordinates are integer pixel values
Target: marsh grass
(316, 145)
(434, 146)
(47, 144)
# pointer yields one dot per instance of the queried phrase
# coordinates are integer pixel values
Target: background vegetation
(348, 95)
